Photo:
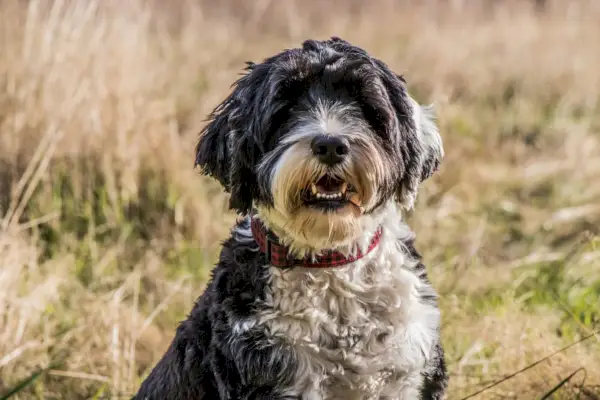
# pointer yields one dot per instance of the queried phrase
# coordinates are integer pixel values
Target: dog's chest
(362, 331)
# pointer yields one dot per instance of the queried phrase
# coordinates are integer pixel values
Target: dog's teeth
(329, 196)
(344, 188)
(313, 188)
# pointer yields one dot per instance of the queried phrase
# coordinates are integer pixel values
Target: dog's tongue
(329, 185)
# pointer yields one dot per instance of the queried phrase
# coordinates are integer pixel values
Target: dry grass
(107, 233)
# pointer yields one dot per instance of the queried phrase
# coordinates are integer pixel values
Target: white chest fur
(360, 331)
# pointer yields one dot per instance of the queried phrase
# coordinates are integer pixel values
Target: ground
(107, 233)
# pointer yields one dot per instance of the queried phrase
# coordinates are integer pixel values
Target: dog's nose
(329, 150)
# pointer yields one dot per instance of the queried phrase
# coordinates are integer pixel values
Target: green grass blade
(22, 385)
(564, 382)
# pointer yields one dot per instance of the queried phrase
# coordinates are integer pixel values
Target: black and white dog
(319, 292)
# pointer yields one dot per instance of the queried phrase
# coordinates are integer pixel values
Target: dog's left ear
(419, 142)
(428, 161)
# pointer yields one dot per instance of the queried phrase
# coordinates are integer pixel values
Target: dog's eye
(376, 120)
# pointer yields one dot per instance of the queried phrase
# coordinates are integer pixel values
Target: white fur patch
(360, 331)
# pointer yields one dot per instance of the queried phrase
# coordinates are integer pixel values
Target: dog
(319, 292)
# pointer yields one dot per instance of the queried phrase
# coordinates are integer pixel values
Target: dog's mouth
(331, 193)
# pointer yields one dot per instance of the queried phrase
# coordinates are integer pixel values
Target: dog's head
(319, 139)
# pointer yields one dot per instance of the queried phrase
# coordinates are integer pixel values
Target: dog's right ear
(212, 150)
(228, 149)
(214, 147)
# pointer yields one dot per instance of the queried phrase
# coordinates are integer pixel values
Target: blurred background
(108, 234)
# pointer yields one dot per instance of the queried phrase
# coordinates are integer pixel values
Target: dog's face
(318, 139)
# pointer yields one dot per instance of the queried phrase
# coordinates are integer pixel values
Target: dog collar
(278, 255)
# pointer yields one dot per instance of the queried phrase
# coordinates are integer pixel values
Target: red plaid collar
(278, 255)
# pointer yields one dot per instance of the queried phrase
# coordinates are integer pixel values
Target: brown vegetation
(107, 233)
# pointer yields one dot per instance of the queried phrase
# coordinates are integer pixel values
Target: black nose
(329, 150)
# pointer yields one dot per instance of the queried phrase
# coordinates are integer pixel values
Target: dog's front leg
(251, 365)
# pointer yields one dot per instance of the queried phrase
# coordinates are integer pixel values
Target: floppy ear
(228, 148)
(419, 142)
(427, 160)
(431, 138)
(213, 148)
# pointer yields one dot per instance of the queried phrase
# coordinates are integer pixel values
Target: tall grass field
(108, 233)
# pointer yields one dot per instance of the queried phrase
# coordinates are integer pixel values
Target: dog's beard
(316, 206)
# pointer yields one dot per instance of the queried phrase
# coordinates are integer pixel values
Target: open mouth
(331, 193)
